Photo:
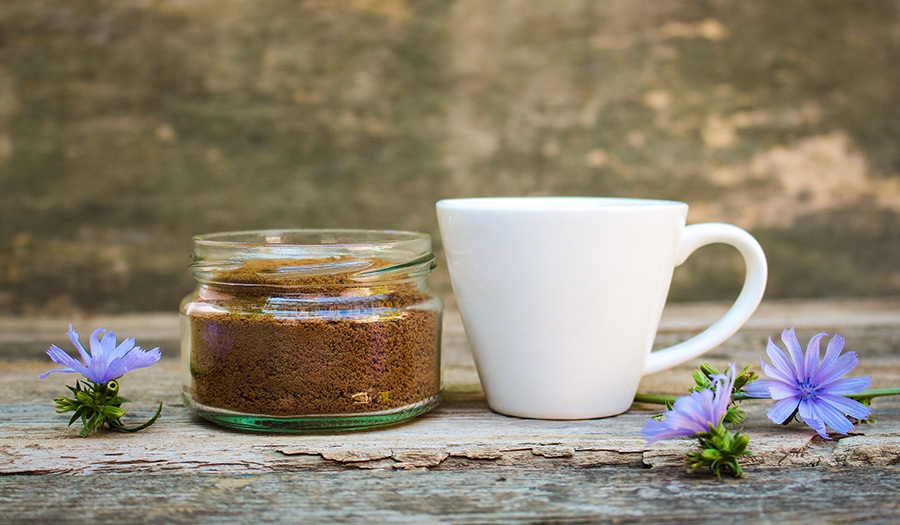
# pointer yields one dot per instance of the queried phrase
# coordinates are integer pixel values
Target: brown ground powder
(252, 361)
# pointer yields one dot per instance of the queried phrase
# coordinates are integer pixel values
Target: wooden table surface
(459, 463)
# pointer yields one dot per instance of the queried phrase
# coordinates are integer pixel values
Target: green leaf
(75, 417)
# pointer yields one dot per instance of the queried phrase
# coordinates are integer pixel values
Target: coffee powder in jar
(311, 330)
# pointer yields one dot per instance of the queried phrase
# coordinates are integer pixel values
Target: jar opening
(319, 240)
(310, 257)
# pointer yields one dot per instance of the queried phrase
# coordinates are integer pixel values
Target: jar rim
(360, 255)
(311, 238)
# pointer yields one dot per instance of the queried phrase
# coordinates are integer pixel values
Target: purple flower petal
(695, 413)
(124, 347)
(841, 367)
(845, 405)
(108, 343)
(809, 413)
(826, 414)
(779, 374)
(796, 352)
(106, 361)
(114, 370)
(781, 362)
(656, 430)
(817, 425)
(59, 356)
(685, 419)
(136, 358)
(73, 336)
(95, 343)
(782, 390)
(813, 388)
(848, 385)
(811, 362)
(759, 388)
(835, 346)
(783, 409)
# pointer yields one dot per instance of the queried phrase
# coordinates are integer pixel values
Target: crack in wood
(554, 451)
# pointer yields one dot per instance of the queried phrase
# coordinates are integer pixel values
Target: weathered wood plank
(462, 434)
(457, 436)
(496, 494)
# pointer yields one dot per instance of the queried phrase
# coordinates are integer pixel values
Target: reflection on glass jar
(311, 330)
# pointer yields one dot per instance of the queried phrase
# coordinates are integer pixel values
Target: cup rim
(554, 203)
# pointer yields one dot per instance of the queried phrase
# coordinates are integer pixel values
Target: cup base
(557, 414)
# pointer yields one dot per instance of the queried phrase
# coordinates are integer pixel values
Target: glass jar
(311, 330)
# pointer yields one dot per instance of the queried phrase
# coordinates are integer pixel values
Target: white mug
(561, 297)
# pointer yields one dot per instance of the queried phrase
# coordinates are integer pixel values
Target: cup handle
(695, 236)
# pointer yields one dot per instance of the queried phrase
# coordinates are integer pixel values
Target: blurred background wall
(128, 126)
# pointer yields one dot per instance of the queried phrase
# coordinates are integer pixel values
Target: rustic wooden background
(126, 127)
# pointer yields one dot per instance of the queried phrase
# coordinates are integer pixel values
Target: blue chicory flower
(694, 414)
(106, 360)
(814, 389)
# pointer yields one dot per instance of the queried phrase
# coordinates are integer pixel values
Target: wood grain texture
(550, 469)
(506, 495)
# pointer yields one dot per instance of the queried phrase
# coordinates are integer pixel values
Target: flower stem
(654, 399)
(875, 392)
(122, 428)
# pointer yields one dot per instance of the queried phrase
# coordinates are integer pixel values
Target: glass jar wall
(311, 330)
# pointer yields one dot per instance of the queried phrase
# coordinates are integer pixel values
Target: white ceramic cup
(561, 297)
